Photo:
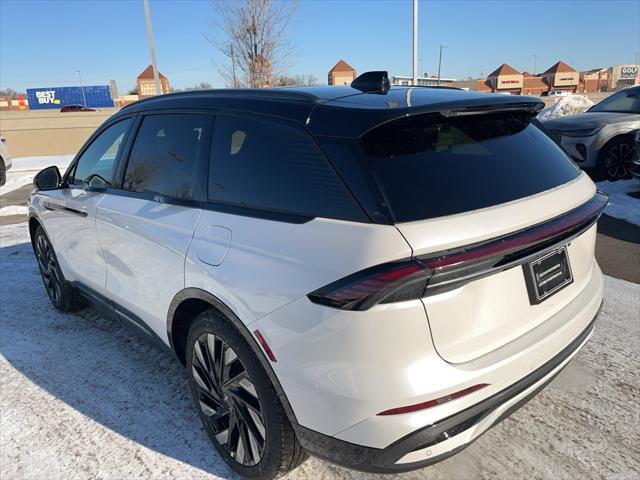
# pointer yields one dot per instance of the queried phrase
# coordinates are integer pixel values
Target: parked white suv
(374, 276)
(5, 160)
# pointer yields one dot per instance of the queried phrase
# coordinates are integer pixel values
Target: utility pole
(535, 65)
(415, 42)
(152, 48)
(84, 99)
(440, 62)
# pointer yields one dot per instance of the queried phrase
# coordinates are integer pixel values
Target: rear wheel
(236, 402)
(615, 159)
(62, 295)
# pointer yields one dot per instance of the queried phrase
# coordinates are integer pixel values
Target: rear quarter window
(431, 166)
(268, 165)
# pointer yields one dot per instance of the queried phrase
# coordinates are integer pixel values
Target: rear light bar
(435, 273)
(433, 403)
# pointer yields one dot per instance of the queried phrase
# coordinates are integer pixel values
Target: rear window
(430, 166)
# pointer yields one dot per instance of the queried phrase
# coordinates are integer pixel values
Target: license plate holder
(547, 275)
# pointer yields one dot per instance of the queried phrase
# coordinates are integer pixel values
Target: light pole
(440, 62)
(152, 48)
(415, 42)
(535, 65)
(84, 100)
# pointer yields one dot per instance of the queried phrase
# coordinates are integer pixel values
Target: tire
(62, 295)
(241, 395)
(3, 173)
(614, 160)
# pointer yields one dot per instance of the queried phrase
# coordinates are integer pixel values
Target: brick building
(341, 74)
(560, 76)
(147, 85)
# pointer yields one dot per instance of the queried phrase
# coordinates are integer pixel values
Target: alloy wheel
(48, 268)
(228, 399)
(617, 160)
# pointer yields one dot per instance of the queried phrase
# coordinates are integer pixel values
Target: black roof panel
(337, 111)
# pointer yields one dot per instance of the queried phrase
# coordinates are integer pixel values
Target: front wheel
(615, 159)
(3, 172)
(236, 401)
(62, 295)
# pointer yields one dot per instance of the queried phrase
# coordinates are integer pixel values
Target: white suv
(374, 276)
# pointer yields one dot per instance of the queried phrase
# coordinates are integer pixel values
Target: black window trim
(287, 216)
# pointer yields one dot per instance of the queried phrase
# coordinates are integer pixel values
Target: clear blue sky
(43, 43)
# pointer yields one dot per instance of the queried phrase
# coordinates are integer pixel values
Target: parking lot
(83, 398)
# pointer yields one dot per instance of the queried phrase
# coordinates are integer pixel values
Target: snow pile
(621, 204)
(14, 210)
(83, 398)
(23, 169)
(569, 105)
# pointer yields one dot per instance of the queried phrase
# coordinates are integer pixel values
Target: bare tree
(11, 93)
(295, 80)
(253, 36)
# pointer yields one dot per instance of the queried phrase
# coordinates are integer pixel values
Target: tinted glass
(95, 165)
(166, 155)
(431, 166)
(623, 102)
(266, 165)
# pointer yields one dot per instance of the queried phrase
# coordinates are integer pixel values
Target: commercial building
(147, 85)
(341, 74)
(423, 81)
(96, 96)
(560, 76)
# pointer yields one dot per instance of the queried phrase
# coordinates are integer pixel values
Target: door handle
(55, 206)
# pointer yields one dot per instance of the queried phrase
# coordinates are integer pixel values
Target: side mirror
(48, 179)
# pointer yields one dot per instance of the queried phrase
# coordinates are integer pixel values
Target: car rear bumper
(448, 436)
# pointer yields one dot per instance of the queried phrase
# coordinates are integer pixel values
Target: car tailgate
(490, 310)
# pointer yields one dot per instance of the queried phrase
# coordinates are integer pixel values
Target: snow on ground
(14, 210)
(82, 398)
(25, 168)
(621, 204)
(569, 105)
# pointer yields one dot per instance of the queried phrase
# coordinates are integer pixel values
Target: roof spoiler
(372, 82)
(528, 107)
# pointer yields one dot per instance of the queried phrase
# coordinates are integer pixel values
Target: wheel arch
(187, 305)
(34, 223)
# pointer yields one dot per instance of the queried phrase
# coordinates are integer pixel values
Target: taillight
(444, 271)
(389, 282)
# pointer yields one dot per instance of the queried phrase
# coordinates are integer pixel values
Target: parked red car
(76, 108)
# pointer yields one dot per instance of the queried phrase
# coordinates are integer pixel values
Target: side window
(95, 165)
(271, 166)
(166, 155)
